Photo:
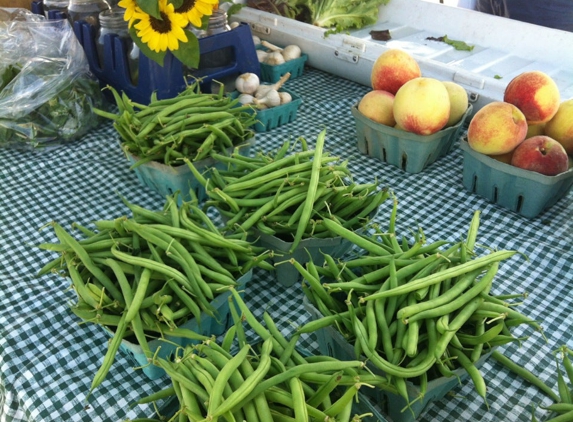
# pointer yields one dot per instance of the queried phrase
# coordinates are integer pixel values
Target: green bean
(559, 407)
(88, 263)
(455, 325)
(472, 371)
(109, 357)
(445, 298)
(223, 377)
(239, 395)
(447, 273)
(453, 305)
(525, 374)
(562, 387)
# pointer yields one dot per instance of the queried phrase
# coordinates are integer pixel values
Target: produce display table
(47, 359)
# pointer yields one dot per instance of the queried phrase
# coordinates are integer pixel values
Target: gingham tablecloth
(47, 359)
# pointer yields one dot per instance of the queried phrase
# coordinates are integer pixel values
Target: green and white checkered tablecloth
(47, 359)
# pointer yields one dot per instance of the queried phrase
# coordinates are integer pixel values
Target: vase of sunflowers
(170, 50)
(162, 26)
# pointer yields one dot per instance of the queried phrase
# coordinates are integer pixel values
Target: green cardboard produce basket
(270, 118)
(332, 343)
(166, 180)
(285, 272)
(524, 192)
(405, 150)
(272, 73)
(209, 326)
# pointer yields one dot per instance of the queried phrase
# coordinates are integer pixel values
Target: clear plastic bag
(46, 89)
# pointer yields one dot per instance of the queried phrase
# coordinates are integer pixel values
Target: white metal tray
(503, 48)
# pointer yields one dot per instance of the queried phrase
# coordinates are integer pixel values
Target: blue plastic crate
(524, 192)
(405, 150)
(166, 180)
(332, 343)
(209, 326)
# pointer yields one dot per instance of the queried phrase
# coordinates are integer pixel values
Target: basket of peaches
(518, 152)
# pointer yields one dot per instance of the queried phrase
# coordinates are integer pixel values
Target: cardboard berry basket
(332, 343)
(524, 192)
(405, 150)
(209, 327)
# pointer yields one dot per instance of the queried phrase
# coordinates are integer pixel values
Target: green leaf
(144, 48)
(176, 3)
(458, 45)
(188, 53)
(151, 7)
(235, 8)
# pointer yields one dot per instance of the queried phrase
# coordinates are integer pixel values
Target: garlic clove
(275, 58)
(291, 52)
(262, 55)
(247, 83)
(271, 99)
(245, 99)
(285, 97)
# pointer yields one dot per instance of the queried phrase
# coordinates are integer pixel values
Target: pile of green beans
(415, 310)
(190, 126)
(562, 408)
(145, 276)
(289, 195)
(269, 380)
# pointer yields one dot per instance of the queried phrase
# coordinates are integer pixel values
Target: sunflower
(162, 34)
(194, 10)
(132, 11)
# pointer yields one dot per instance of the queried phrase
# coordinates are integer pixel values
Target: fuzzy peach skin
(458, 102)
(536, 94)
(392, 69)
(422, 106)
(378, 106)
(560, 127)
(497, 128)
(541, 154)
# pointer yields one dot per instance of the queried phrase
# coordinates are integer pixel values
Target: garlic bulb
(256, 40)
(285, 97)
(263, 89)
(245, 99)
(291, 52)
(262, 55)
(247, 83)
(233, 25)
(272, 99)
(275, 58)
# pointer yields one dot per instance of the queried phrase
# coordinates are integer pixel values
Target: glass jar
(218, 22)
(111, 22)
(58, 5)
(86, 10)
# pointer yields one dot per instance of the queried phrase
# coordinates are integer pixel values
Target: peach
(541, 154)
(378, 105)
(422, 106)
(392, 69)
(504, 158)
(458, 102)
(497, 128)
(536, 94)
(560, 127)
(535, 130)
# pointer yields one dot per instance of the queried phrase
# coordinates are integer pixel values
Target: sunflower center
(163, 25)
(186, 6)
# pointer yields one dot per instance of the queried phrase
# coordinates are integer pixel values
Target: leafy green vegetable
(336, 15)
(458, 45)
(64, 117)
